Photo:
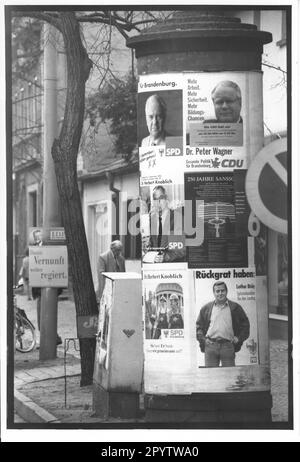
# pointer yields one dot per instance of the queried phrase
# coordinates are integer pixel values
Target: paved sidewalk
(32, 369)
(40, 385)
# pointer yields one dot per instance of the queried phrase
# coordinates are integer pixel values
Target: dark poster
(225, 213)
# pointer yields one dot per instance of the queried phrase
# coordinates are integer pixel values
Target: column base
(215, 408)
(108, 404)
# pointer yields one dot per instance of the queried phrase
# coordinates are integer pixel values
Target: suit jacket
(147, 141)
(107, 264)
(240, 324)
(171, 226)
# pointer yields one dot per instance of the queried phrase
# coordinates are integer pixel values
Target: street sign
(266, 186)
(48, 266)
(57, 234)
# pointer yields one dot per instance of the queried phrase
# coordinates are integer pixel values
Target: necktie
(159, 229)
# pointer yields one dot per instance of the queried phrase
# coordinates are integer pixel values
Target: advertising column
(203, 249)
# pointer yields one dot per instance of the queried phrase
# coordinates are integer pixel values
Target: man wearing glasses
(227, 100)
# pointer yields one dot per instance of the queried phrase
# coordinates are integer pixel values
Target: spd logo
(176, 333)
(175, 245)
(173, 152)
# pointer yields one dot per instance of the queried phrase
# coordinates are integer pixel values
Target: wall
(96, 196)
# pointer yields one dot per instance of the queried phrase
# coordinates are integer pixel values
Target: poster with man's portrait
(162, 224)
(226, 318)
(160, 114)
(215, 109)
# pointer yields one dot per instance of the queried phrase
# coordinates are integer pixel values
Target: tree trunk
(64, 152)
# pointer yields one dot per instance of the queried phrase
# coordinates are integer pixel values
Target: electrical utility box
(118, 367)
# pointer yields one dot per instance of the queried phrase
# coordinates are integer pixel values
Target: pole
(51, 213)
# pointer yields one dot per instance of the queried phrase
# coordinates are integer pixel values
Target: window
(98, 232)
(32, 206)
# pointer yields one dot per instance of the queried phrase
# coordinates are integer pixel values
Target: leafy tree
(116, 103)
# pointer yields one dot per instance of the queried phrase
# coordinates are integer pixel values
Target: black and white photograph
(162, 224)
(166, 326)
(226, 324)
(160, 114)
(215, 113)
(164, 312)
(221, 203)
(149, 218)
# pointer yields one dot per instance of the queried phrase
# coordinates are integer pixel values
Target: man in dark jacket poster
(221, 328)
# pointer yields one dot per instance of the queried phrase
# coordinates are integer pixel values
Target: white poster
(103, 323)
(221, 112)
(48, 266)
(156, 167)
(160, 128)
(166, 310)
(226, 318)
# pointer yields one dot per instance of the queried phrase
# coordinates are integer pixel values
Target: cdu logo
(215, 163)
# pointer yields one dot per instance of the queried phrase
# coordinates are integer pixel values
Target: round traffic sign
(266, 185)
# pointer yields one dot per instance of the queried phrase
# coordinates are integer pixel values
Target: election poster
(157, 168)
(160, 112)
(48, 266)
(224, 213)
(166, 312)
(220, 114)
(225, 318)
(103, 324)
(162, 224)
(230, 359)
(215, 109)
(160, 131)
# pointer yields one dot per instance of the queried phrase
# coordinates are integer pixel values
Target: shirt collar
(226, 304)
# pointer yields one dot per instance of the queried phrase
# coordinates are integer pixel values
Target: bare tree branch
(49, 17)
(123, 24)
(274, 67)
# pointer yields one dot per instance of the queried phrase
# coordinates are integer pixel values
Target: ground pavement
(43, 395)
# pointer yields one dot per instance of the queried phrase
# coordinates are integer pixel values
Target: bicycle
(25, 336)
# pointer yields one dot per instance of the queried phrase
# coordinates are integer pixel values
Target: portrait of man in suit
(160, 115)
(165, 224)
(156, 113)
